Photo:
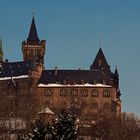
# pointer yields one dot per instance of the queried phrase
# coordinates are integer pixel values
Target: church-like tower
(33, 48)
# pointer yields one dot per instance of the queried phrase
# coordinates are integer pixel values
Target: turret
(116, 83)
(1, 51)
(33, 48)
(116, 78)
(35, 72)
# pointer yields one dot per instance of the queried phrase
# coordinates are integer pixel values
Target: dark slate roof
(9, 69)
(33, 37)
(72, 77)
(104, 65)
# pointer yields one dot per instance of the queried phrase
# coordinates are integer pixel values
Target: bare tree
(127, 127)
(108, 126)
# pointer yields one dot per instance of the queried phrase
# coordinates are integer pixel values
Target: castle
(82, 92)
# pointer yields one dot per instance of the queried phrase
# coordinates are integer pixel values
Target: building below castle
(26, 86)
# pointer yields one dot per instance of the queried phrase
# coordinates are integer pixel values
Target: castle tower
(116, 78)
(33, 48)
(100, 63)
(1, 51)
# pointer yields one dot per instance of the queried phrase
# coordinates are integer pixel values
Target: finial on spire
(33, 13)
(100, 43)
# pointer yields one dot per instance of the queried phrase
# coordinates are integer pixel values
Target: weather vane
(100, 43)
(33, 13)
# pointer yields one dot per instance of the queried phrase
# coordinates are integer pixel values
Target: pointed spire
(116, 79)
(0, 42)
(33, 37)
(100, 63)
(116, 72)
(99, 60)
(1, 51)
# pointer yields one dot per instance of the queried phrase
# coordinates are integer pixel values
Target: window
(63, 92)
(63, 104)
(94, 105)
(83, 105)
(12, 115)
(100, 62)
(28, 52)
(94, 93)
(48, 104)
(84, 93)
(106, 105)
(48, 92)
(74, 92)
(106, 93)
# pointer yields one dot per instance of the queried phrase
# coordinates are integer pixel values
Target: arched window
(48, 92)
(74, 92)
(63, 92)
(94, 105)
(106, 93)
(12, 115)
(94, 93)
(84, 93)
(21, 114)
(48, 104)
(63, 104)
(106, 105)
(83, 105)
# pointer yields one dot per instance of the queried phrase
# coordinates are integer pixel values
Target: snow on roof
(14, 77)
(76, 85)
(46, 111)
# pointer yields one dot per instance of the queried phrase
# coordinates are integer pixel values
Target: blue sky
(73, 30)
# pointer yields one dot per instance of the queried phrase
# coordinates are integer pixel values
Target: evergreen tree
(64, 127)
(38, 132)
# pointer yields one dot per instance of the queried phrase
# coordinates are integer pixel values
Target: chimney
(94, 82)
(6, 60)
(55, 71)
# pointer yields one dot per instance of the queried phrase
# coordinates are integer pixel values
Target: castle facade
(82, 92)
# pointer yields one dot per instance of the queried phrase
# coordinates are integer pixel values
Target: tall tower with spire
(1, 51)
(33, 48)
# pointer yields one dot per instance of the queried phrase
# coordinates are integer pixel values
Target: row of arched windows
(82, 105)
(74, 92)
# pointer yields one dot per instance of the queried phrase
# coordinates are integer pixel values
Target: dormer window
(100, 62)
